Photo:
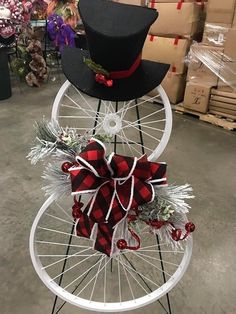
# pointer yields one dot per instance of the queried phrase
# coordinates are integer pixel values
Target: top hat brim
(148, 76)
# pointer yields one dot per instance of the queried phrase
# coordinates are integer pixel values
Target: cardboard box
(227, 76)
(222, 111)
(224, 107)
(219, 11)
(222, 102)
(176, 19)
(219, 100)
(134, 2)
(215, 34)
(224, 94)
(167, 50)
(197, 96)
(201, 72)
(225, 88)
(174, 86)
(230, 45)
(234, 19)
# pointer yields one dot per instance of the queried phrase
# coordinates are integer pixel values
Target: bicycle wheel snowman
(126, 242)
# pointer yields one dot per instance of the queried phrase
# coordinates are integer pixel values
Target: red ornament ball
(109, 83)
(176, 234)
(66, 166)
(190, 227)
(121, 244)
(76, 210)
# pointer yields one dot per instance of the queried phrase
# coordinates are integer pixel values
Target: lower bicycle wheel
(134, 126)
(86, 278)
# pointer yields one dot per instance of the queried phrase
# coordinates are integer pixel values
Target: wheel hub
(112, 123)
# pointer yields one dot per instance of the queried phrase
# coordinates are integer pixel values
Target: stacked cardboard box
(213, 62)
(169, 40)
(227, 75)
(223, 104)
(204, 66)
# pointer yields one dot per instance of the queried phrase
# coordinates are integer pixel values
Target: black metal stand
(167, 309)
(5, 83)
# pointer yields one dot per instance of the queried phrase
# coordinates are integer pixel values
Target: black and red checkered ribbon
(118, 184)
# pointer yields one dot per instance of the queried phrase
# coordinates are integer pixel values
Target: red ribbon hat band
(107, 79)
(127, 73)
(117, 184)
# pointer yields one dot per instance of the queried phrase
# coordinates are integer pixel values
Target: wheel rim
(120, 290)
(134, 127)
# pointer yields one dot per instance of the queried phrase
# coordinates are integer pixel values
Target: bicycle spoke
(86, 111)
(125, 139)
(137, 128)
(145, 260)
(157, 259)
(92, 279)
(95, 281)
(59, 243)
(140, 145)
(124, 110)
(141, 103)
(63, 259)
(64, 211)
(60, 219)
(57, 231)
(127, 269)
(105, 282)
(157, 251)
(126, 276)
(119, 282)
(154, 245)
(149, 115)
(85, 259)
(83, 274)
(151, 122)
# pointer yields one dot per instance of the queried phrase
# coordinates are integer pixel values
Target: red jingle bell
(189, 227)
(176, 234)
(66, 166)
(121, 244)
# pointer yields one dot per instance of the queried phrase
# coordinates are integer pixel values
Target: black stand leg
(5, 83)
(64, 266)
(70, 239)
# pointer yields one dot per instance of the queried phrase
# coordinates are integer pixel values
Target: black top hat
(113, 69)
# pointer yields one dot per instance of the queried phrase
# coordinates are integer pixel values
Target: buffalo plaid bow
(118, 184)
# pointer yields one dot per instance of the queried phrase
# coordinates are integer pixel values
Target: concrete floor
(198, 153)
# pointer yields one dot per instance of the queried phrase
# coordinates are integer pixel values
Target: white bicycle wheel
(135, 126)
(71, 269)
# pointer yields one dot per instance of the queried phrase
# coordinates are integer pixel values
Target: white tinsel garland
(175, 196)
(52, 138)
(58, 182)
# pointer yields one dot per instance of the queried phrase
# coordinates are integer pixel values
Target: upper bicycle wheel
(134, 127)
